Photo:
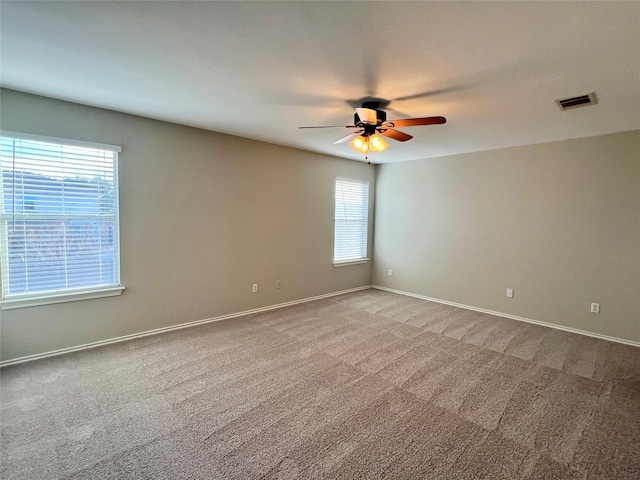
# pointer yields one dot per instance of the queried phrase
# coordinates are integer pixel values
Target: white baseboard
(38, 356)
(512, 317)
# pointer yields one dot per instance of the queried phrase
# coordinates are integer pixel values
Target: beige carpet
(365, 385)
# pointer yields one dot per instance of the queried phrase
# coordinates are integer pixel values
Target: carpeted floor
(364, 385)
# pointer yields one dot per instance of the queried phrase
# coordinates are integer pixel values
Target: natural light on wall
(58, 220)
(351, 222)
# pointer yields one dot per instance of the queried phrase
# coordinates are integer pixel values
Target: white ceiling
(261, 69)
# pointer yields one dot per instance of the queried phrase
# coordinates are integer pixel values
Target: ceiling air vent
(576, 102)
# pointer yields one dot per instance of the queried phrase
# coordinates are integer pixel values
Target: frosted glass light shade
(377, 144)
(360, 144)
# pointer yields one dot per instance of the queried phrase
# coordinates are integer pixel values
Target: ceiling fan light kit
(372, 123)
(368, 143)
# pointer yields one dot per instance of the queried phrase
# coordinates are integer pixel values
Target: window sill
(35, 301)
(345, 263)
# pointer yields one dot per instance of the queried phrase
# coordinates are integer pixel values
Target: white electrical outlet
(510, 292)
(278, 283)
(255, 288)
(595, 308)
(390, 273)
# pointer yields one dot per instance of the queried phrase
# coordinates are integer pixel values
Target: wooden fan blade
(348, 137)
(395, 134)
(414, 122)
(367, 116)
(333, 126)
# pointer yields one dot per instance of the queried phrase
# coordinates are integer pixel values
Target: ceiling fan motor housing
(381, 115)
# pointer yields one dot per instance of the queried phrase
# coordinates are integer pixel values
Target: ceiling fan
(372, 122)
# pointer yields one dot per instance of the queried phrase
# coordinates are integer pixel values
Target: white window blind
(351, 221)
(58, 217)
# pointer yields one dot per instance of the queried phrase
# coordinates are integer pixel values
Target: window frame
(356, 260)
(68, 294)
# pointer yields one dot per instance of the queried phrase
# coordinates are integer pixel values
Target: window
(351, 222)
(58, 220)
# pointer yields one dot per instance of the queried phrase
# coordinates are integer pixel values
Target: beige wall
(202, 217)
(557, 222)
